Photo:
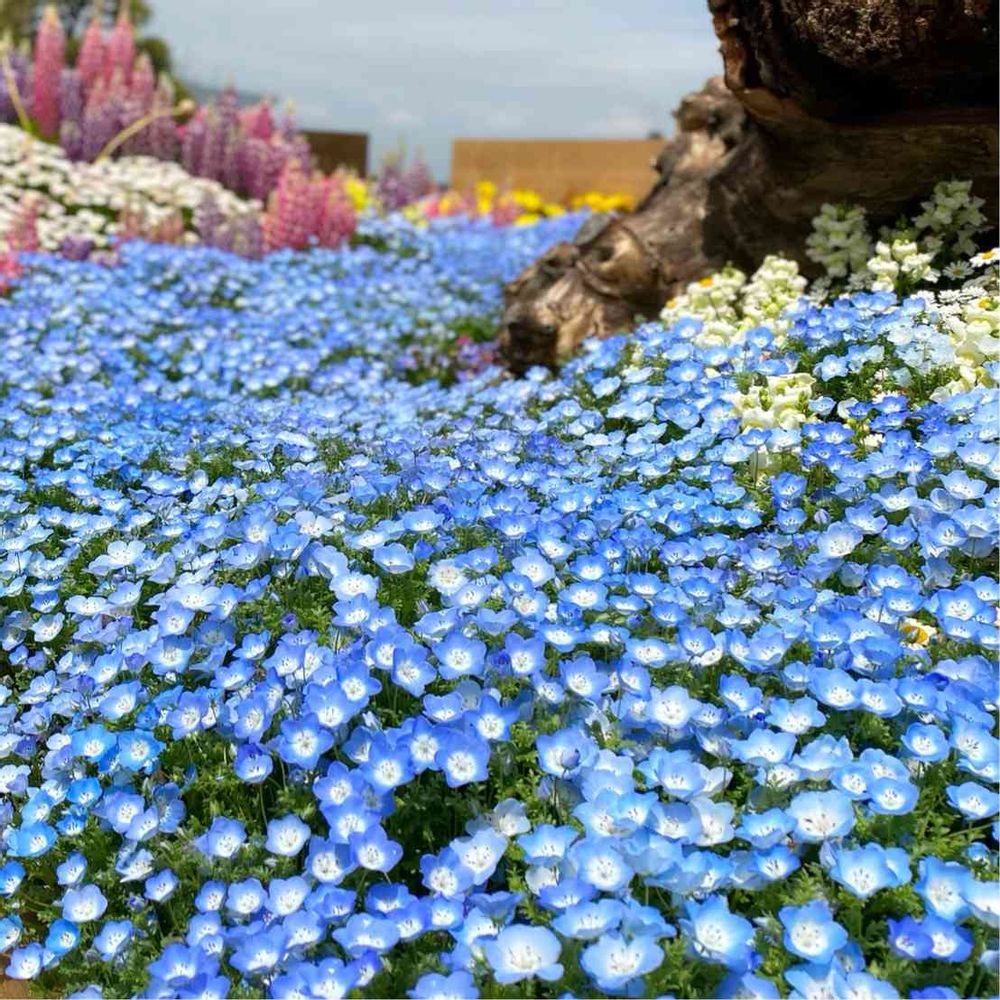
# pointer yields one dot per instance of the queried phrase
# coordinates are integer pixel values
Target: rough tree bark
(863, 101)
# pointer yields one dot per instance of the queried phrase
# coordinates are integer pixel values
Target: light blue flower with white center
(161, 886)
(890, 797)
(245, 898)
(973, 800)
(62, 937)
(11, 929)
(613, 962)
(590, 920)
(82, 905)
(372, 849)
(598, 860)
(942, 886)
(811, 932)
(716, 935)
(303, 741)
(764, 830)
(259, 953)
(25, 962)
(462, 759)
(839, 541)
(222, 839)
(11, 876)
(926, 742)
(821, 816)
(394, 558)
(433, 986)
(865, 870)
(287, 836)
(364, 932)
(113, 938)
(481, 853)
(522, 952)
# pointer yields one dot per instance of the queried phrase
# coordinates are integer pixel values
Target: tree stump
(869, 102)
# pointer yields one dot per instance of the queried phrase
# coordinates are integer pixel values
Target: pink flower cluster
(21, 237)
(304, 210)
(86, 106)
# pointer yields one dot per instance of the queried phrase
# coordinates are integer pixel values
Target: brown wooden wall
(340, 149)
(557, 168)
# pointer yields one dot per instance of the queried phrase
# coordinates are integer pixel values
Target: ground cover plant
(333, 666)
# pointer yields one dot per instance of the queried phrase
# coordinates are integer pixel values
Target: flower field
(336, 663)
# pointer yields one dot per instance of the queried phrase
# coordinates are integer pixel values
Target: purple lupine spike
(71, 139)
(143, 83)
(208, 220)
(162, 134)
(254, 159)
(100, 126)
(210, 164)
(71, 97)
(229, 174)
(249, 237)
(418, 180)
(288, 130)
(227, 108)
(192, 142)
(131, 111)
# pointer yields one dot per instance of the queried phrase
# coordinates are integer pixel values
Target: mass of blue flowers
(325, 675)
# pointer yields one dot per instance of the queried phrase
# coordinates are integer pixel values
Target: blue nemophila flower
(83, 905)
(223, 838)
(303, 741)
(286, 836)
(821, 816)
(522, 952)
(433, 986)
(11, 876)
(25, 962)
(865, 870)
(372, 849)
(717, 935)
(462, 759)
(613, 962)
(811, 932)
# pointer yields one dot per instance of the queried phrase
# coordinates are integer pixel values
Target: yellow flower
(530, 201)
(357, 191)
(917, 632)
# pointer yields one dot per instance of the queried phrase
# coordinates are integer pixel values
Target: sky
(414, 74)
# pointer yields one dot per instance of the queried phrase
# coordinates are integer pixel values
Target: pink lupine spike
(120, 51)
(257, 120)
(90, 58)
(50, 46)
(22, 237)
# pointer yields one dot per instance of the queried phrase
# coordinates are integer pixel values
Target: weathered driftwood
(862, 101)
